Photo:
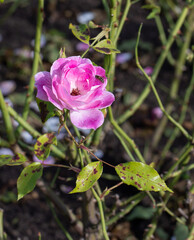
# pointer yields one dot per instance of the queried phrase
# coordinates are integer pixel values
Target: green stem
(163, 38)
(184, 132)
(68, 236)
(185, 169)
(176, 81)
(32, 131)
(4, 143)
(182, 116)
(125, 136)
(125, 146)
(29, 95)
(7, 120)
(123, 19)
(133, 202)
(100, 206)
(178, 162)
(150, 232)
(1, 224)
(157, 68)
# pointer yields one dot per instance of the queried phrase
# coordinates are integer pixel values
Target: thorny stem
(32, 131)
(184, 132)
(176, 81)
(136, 199)
(125, 146)
(123, 19)
(182, 116)
(125, 136)
(100, 206)
(29, 95)
(157, 68)
(163, 37)
(81, 146)
(110, 189)
(173, 182)
(88, 150)
(7, 121)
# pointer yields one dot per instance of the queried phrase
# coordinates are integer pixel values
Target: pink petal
(87, 119)
(58, 65)
(107, 98)
(53, 99)
(42, 79)
(100, 72)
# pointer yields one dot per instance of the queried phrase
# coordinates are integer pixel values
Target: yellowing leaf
(28, 178)
(141, 176)
(105, 46)
(43, 144)
(88, 176)
(81, 32)
(18, 159)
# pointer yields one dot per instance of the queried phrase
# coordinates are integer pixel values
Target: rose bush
(75, 84)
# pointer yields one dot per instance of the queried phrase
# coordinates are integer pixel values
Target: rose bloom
(75, 84)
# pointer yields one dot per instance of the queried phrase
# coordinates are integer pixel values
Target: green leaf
(43, 144)
(141, 176)
(28, 178)
(88, 176)
(18, 159)
(181, 232)
(141, 213)
(47, 110)
(81, 32)
(106, 46)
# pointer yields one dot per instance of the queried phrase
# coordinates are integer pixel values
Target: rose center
(75, 92)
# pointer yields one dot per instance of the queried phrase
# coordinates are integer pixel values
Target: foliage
(67, 90)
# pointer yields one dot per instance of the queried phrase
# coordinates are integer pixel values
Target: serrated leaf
(88, 176)
(43, 144)
(18, 159)
(28, 178)
(105, 46)
(47, 109)
(141, 176)
(81, 32)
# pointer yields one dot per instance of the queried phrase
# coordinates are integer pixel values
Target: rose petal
(52, 98)
(87, 119)
(101, 73)
(42, 79)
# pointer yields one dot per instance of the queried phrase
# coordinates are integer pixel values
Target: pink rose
(75, 84)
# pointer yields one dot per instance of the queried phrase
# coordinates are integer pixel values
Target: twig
(184, 132)
(157, 68)
(29, 95)
(125, 136)
(106, 237)
(7, 121)
(32, 131)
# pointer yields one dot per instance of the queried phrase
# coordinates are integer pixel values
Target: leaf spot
(95, 171)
